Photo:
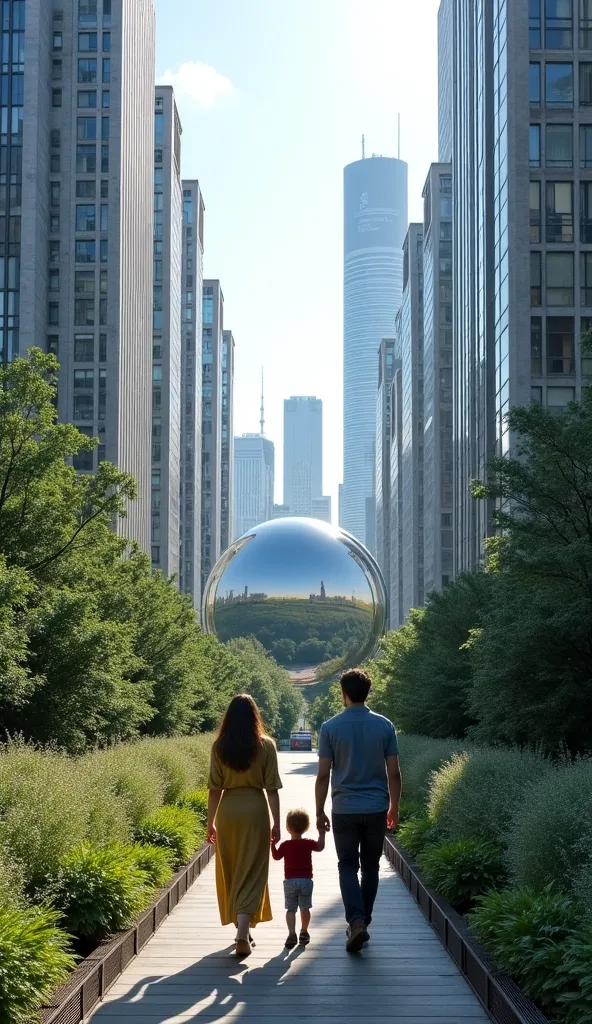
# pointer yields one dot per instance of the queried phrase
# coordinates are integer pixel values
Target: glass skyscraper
(375, 225)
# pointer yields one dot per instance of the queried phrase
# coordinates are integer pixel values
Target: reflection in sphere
(309, 592)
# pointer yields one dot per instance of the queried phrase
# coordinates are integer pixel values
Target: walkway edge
(498, 994)
(95, 975)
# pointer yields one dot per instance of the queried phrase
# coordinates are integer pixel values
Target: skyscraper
(396, 598)
(387, 363)
(321, 508)
(211, 475)
(254, 458)
(227, 442)
(303, 453)
(412, 426)
(166, 337)
(375, 224)
(191, 398)
(76, 237)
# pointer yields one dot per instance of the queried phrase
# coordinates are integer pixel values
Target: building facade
(438, 546)
(386, 370)
(321, 508)
(76, 233)
(166, 334)
(254, 482)
(303, 453)
(191, 394)
(396, 600)
(211, 451)
(227, 442)
(375, 225)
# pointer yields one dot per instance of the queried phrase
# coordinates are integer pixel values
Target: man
(358, 750)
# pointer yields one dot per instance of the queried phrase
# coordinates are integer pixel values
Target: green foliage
(423, 677)
(463, 870)
(279, 702)
(100, 890)
(525, 933)
(34, 959)
(197, 801)
(176, 829)
(420, 756)
(416, 834)
(409, 809)
(156, 861)
(571, 982)
(325, 706)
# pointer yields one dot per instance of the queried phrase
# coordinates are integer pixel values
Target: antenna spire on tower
(262, 420)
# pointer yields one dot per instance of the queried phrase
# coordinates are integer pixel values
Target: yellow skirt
(242, 856)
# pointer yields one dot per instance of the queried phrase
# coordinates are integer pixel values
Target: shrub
(416, 834)
(409, 809)
(572, 983)
(11, 883)
(136, 783)
(463, 870)
(474, 794)
(100, 890)
(197, 801)
(34, 958)
(550, 839)
(524, 932)
(176, 829)
(156, 861)
(420, 756)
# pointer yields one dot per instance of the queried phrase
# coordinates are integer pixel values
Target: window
(55, 138)
(559, 211)
(86, 252)
(158, 177)
(87, 42)
(84, 348)
(87, 70)
(55, 163)
(86, 189)
(535, 145)
(106, 70)
(534, 24)
(535, 278)
(558, 145)
(107, 42)
(559, 85)
(102, 394)
(106, 12)
(84, 312)
(87, 128)
(106, 98)
(54, 223)
(104, 217)
(84, 382)
(585, 24)
(104, 159)
(56, 70)
(586, 278)
(534, 85)
(103, 278)
(53, 342)
(84, 461)
(208, 309)
(159, 129)
(87, 98)
(86, 159)
(104, 190)
(54, 252)
(84, 282)
(155, 554)
(535, 211)
(102, 348)
(56, 97)
(558, 399)
(86, 218)
(104, 250)
(560, 345)
(104, 127)
(87, 12)
(558, 24)
(54, 280)
(585, 340)
(536, 346)
(536, 396)
(58, 41)
(54, 193)
(586, 212)
(560, 279)
(53, 317)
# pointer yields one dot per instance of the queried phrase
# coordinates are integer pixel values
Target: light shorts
(298, 893)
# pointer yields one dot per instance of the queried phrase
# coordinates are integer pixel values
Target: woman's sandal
(251, 940)
(243, 947)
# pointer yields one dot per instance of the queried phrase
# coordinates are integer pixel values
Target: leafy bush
(156, 861)
(524, 932)
(11, 882)
(415, 834)
(463, 870)
(173, 768)
(136, 783)
(410, 809)
(176, 829)
(474, 794)
(34, 958)
(99, 891)
(197, 801)
(550, 839)
(420, 756)
(572, 982)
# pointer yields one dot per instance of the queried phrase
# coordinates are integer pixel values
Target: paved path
(186, 972)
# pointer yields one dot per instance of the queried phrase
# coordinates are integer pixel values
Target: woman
(243, 764)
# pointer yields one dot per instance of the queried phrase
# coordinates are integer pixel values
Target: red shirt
(297, 854)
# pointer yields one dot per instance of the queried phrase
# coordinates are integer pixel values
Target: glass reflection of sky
(305, 558)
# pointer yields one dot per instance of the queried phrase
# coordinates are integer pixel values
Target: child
(297, 854)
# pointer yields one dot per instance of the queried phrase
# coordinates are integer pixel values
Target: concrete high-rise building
(387, 363)
(396, 609)
(321, 508)
(211, 453)
(445, 79)
(280, 512)
(254, 481)
(410, 341)
(76, 231)
(438, 549)
(375, 225)
(340, 505)
(303, 453)
(191, 397)
(227, 442)
(166, 334)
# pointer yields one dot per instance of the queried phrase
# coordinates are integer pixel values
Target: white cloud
(200, 83)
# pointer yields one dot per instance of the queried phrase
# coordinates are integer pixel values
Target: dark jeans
(359, 839)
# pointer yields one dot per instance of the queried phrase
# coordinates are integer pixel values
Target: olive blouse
(262, 773)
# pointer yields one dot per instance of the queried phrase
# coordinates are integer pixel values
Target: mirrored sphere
(309, 592)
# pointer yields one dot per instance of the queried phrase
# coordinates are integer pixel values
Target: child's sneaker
(291, 941)
(304, 938)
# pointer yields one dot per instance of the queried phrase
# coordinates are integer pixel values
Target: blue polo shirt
(358, 741)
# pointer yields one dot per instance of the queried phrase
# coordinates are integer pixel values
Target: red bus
(301, 741)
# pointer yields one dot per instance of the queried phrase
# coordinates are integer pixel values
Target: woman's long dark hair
(240, 733)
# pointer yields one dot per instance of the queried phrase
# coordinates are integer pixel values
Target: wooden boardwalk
(187, 973)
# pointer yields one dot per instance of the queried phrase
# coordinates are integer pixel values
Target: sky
(274, 96)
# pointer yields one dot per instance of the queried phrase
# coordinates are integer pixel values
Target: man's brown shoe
(357, 936)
